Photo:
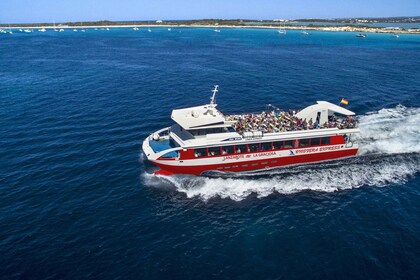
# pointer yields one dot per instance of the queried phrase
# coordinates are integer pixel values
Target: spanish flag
(344, 101)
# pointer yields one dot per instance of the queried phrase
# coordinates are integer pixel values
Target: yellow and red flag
(344, 101)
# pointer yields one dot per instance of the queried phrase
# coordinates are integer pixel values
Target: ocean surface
(77, 198)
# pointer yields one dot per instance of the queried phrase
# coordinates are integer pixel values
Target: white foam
(386, 138)
(390, 131)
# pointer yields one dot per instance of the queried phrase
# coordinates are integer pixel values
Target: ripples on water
(77, 200)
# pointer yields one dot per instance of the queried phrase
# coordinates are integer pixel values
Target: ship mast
(215, 90)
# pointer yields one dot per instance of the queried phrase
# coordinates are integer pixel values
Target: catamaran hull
(234, 164)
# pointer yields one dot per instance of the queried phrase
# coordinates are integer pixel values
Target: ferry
(203, 139)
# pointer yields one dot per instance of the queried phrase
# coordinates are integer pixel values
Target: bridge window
(200, 152)
(240, 149)
(278, 145)
(266, 146)
(304, 142)
(174, 154)
(325, 140)
(227, 150)
(315, 141)
(253, 147)
(215, 151)
(288, 144)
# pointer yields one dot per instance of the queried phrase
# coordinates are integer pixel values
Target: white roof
(322, 106)
(199, 117)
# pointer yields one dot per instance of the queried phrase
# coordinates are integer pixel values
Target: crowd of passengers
(279, 121)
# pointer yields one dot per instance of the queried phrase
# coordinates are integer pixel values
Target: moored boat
(204, 140)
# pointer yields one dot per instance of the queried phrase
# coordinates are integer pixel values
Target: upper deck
(277, 121)
(206, 126)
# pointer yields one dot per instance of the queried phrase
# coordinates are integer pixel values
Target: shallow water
(77, 199)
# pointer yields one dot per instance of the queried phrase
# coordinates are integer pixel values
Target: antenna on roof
(215, 90)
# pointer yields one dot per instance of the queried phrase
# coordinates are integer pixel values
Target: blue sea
(77, 198)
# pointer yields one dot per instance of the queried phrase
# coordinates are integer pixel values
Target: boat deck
(281, 121)
(162, 145)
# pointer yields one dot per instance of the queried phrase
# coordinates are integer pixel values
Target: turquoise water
(405, 25)
(77, 199)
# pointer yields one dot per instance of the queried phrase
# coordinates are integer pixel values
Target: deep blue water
(77, 199)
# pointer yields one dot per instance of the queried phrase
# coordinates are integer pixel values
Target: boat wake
(389, 153)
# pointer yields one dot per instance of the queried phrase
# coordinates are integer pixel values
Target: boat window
(304, 142)
(215, 130)
(172, 143)
(200, 152)
(173, 154)
(278, 145)
(252, 147)
(227, 150)
(288, 144)
(315, 141)
(215, 151)
(325, 140)
(296, 143)
(266, 146)
(240, 149)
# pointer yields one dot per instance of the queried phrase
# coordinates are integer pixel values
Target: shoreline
(297, 27)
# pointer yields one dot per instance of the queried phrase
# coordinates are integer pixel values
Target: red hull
(256, 164)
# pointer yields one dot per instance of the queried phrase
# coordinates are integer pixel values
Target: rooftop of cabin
(199, 117)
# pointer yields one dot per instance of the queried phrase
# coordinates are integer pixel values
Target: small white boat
(61, 30)
(149, 30)
(83, 30)
(75, 30)
(304, 33)
(360, 35)
(135, 28)
(282, 31)
(216, 30)
(27, 30)
(42, 30)
(20, 30)
(107, 29)
(395, 35)
(2, 31)
(169, 29)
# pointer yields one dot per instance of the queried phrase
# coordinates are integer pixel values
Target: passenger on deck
(277, 121)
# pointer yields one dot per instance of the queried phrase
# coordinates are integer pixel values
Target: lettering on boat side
(307, 151)
(314, 150)
(233, 157)
(264, 154)
(233, 139)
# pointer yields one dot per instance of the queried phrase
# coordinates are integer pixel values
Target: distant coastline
(339, 25)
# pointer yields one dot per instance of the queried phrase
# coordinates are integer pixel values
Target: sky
(32, 11)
